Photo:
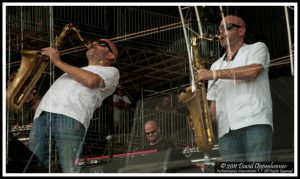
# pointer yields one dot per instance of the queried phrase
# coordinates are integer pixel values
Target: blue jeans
(66, 133)
(249, 144)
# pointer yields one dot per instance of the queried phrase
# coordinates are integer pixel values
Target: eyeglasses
(104, 44)
(228, 26)
(152, 132)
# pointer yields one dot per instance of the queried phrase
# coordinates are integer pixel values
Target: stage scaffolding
(151, 46)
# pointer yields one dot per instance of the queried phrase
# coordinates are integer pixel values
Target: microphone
(109, 139)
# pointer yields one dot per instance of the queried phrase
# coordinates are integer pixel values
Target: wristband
(233, 75)
(214, 72)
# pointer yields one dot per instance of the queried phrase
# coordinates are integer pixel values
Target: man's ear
(242, 31)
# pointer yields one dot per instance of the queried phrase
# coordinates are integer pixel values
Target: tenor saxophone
(32, 66)
(198, 105)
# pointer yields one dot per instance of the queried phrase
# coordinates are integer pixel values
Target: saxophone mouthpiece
(217, 37)
(89, 45)
(210, 37)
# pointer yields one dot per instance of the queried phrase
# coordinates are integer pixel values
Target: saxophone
(198, 106)
(32, 66)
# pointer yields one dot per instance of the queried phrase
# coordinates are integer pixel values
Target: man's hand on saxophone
(205, 74)
(52, 53)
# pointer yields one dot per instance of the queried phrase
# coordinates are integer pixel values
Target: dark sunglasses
(152, 132)
(104, 44)
(228, 26)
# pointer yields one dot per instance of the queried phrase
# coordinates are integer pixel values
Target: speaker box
(21, 159)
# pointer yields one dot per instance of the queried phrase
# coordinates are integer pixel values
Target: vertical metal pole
(8, 68)
(142, 119)
(289, 38)
(51, 35)
(173, 122)
(21, 25)
(188, 50)
(198, 21)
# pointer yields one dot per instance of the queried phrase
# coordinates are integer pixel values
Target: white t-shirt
(68, 97)
(242, 103)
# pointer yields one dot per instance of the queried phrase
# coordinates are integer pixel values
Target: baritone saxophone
(32, 66)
